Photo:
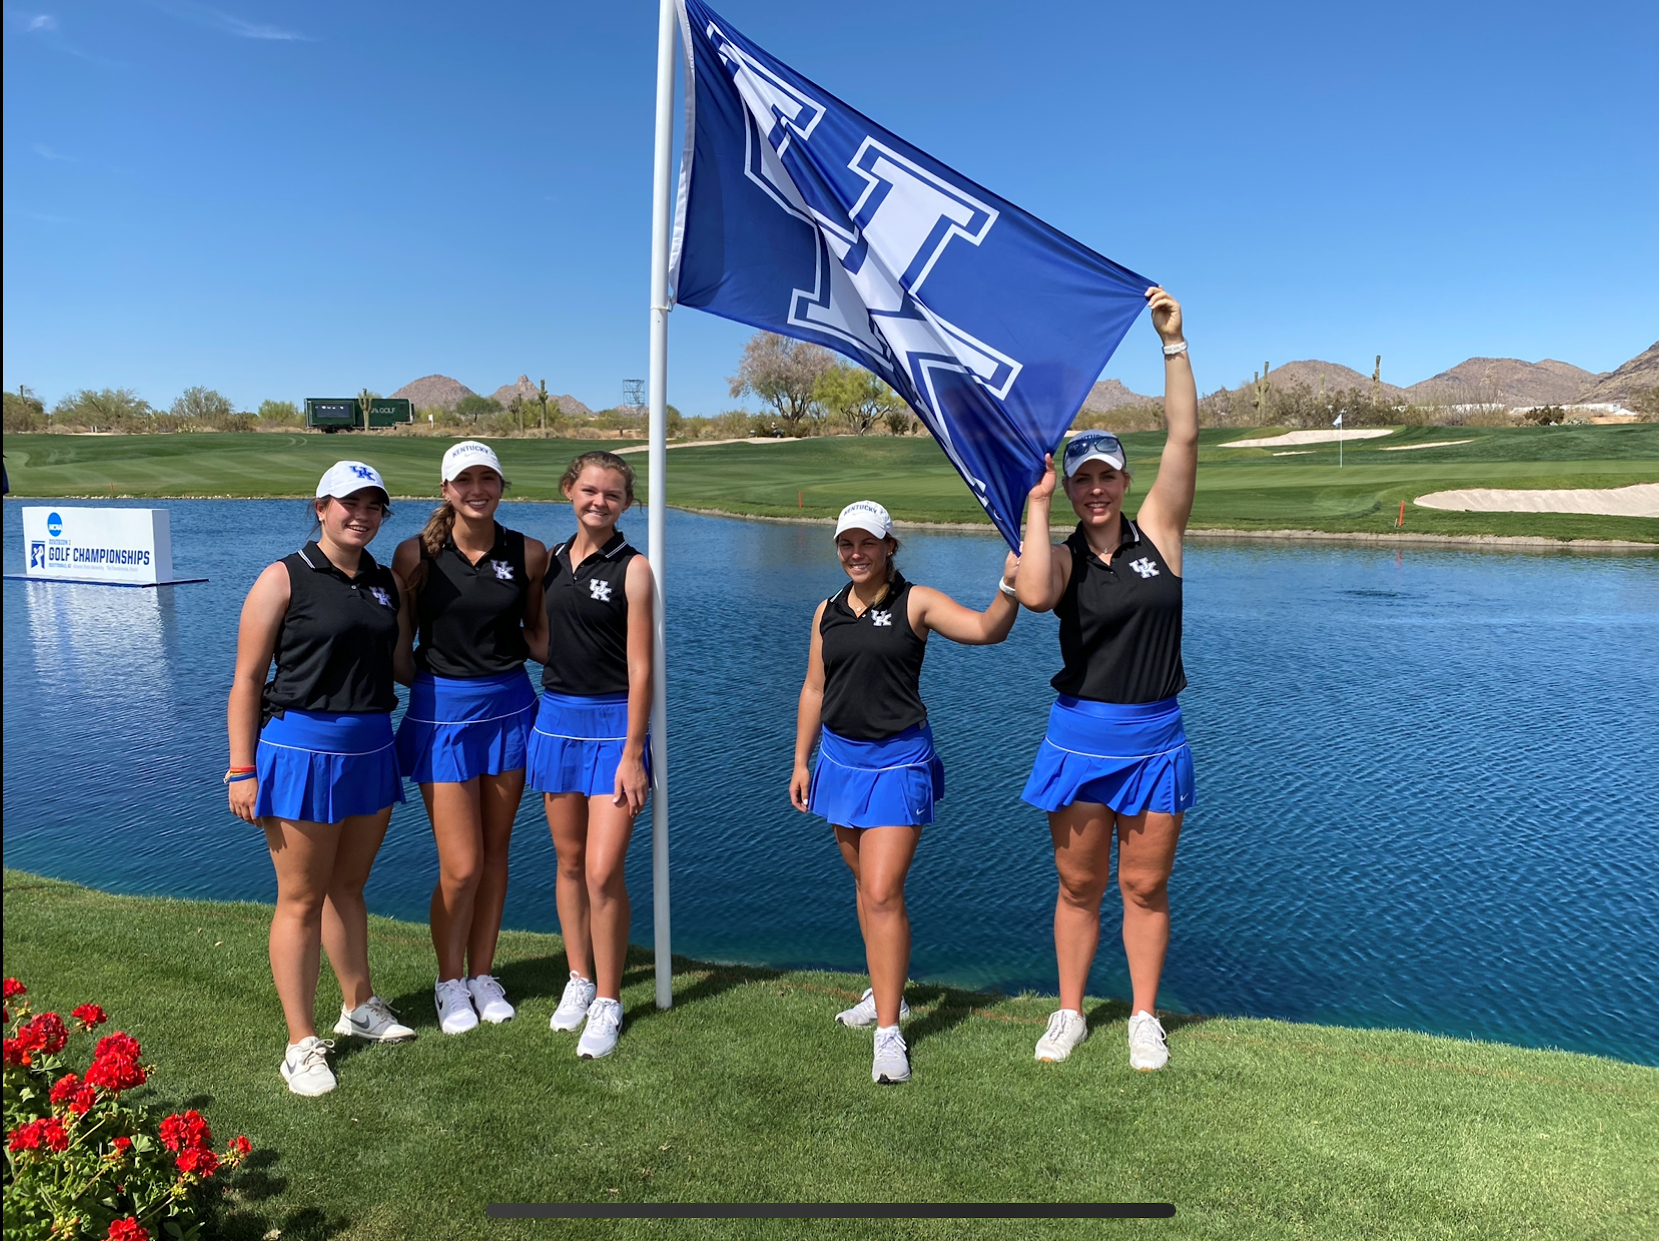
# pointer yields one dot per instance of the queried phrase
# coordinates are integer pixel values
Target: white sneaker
(373, 1020)
(864, 1012)
(1066, 1029)
(490, 999)
(454, 1001)
(1147, 1051)
(600, 1034)
(573, 1004)
(892, 1063)
(305, 1067)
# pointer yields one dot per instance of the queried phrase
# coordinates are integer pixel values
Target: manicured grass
(1238, 488)
(746, 1091)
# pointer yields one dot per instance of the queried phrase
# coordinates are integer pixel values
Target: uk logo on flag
(801, 216)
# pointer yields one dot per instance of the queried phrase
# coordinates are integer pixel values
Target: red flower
(128, 1229)
(50, 1031)
(117, 1044)
(56, 1136)
(15, 1051)
(122, 1145)
(65, 1090)
(14, 988)
(115, 1064)
(187, 1132)
(237, 1150)
(24, 1137)
(72, 1093)
(90, 1016)
(195, 1159)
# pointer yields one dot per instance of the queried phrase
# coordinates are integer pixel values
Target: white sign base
(99, 546)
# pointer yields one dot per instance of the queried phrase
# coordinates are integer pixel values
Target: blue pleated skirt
(576, 744)
(1128, 757)
(889, 783)
(321, 767)
(460, 727)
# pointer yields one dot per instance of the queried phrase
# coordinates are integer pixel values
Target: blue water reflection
(1428, 781)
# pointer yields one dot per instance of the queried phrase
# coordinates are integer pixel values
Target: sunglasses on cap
(1094, 446)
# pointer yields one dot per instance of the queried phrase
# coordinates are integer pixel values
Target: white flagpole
(657, 496)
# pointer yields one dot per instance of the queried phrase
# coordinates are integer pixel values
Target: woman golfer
(588, 748)
(476, 588)
(877, 774)
(1115, 762)
(320, 775)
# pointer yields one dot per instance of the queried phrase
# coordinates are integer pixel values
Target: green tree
(105, 409)
(900, 421)
(24, 411)
(203, 404)
(783, 373)
(279, 413)
(854, 397)
(472, 407)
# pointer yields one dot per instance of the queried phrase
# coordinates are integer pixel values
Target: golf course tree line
(123, 411)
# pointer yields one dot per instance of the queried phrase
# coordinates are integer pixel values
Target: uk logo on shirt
(380, 596)
(1144, 566)
(503, 570)
(881, 619)
(599, 590)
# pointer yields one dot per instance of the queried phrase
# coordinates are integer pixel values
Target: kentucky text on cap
(865, 515)
(469, 453)
(1094, 446)
(345, 477)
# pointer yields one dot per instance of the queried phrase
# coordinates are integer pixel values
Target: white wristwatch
(1006, 589)
(1175, 350)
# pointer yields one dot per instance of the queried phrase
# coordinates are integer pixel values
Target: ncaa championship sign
(110, 546)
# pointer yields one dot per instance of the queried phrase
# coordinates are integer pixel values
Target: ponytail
(432, 537)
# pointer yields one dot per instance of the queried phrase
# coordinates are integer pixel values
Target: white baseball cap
(1094, 446)
(345, 477)
(865, 515)
(469, 453)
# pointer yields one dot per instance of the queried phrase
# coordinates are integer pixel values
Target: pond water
(1428, 780)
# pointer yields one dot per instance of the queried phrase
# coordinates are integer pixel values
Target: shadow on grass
(949, 1009)
(694, 981)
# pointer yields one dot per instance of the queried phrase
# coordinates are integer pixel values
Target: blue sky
(306, 199)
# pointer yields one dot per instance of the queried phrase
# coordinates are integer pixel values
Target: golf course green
(747, 1091)
(1238, 488)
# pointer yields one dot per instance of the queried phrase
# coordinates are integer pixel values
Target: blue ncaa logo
(54, 525)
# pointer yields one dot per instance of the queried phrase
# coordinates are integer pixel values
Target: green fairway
(1238, 488)
(747, 1091)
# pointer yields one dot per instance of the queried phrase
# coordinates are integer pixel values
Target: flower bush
(82, 1160)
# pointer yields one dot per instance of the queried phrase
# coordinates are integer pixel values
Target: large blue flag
(801, 216)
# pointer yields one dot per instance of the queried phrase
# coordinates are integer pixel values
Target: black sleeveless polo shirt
(1120, 624)
(334, 649)
(872, 666)
(587, 621)
(472, 615)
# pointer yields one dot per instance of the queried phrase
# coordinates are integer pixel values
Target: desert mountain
(522, 388)
(434, 390)
(1311, 371)
(1642, 371)
(566, 404)
(1110, 394)
(1507, 381)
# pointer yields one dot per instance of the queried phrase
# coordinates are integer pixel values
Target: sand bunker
(1310, 437)
(1641, 500)
(1430, 444)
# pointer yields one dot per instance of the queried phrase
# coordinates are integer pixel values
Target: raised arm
(256, 639)
(809, 716)
(1168, 505)
(1043, 568)
(630, 772)
(935, 610)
